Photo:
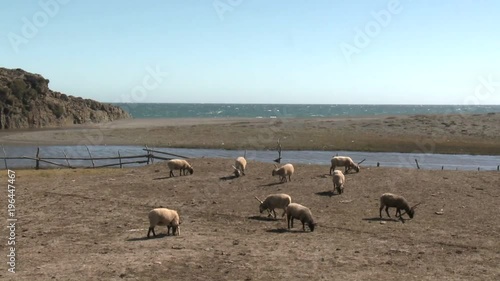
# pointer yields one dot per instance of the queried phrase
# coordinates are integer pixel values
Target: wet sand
(460, 134)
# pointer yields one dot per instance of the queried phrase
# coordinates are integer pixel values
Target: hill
(27, 102)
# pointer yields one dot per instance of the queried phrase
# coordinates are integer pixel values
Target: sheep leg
(398, 211)
(274, 213)
(284, 212)
(304, 226)
(269, 213)
(151, 229)
(171, 173)
(180, 172)
(288, 218)
(332, 168)
(380, 211)
(289, 177)
(387, 211)
(168, 230)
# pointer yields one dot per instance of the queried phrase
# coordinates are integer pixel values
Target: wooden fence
(147, 158)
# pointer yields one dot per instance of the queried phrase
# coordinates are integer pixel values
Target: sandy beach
(461, 134)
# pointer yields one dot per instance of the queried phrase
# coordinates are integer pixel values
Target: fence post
(5, 159)
(91, 159)
(442, 168)
(278, 160)
(149, 154)
(378, 164)
(66, 157)
(37, 165)
(120, 158)
(498, 167)
(418, 166)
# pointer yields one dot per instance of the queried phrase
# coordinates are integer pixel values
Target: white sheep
(388, 200)
(343, 161)
(283, 172)
(302, 213)
(274, 201)
(239, 166)
(164, 217)
(181, 165)
(338, 181)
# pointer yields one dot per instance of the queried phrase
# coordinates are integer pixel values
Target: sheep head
(261, 206)
(411, 212)
(311, 226)
(237, 171)
(356, 168)
(191, 171)
(275, 170)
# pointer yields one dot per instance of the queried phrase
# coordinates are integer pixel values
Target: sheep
(283, 172)
(338, 181)
(239, 166)
(274, 201)
(164, 217)
(181, 165)
(388, 200)
(302, 213)
(343, 161)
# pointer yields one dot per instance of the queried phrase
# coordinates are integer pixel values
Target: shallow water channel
(386, 159)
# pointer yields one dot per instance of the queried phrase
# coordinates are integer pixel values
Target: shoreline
(475, 134)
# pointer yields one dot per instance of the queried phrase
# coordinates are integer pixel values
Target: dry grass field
(90, 224)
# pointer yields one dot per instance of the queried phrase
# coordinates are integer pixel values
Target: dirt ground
(459, 134)
(90, 224)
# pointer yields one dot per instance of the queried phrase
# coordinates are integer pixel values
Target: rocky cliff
(27, 102)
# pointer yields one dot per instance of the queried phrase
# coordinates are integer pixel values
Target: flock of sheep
(170, 218)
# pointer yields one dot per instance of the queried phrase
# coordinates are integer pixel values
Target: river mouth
(371, 159)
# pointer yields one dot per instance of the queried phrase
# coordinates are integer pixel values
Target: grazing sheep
(388, 200)
(343, 161)
(302, 213)
(181, 165)
(338, 181)
(239, 166)
(283, 172)
(164, 217)
(275, 201)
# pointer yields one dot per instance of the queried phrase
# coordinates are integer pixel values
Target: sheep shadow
(228, 178)
(271, 184)
(285, 230)
(380, 219)
(145, 238)
(262, 218)
(162, 178)
(327, 193)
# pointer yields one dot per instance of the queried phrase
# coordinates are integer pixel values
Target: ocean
(224, 110)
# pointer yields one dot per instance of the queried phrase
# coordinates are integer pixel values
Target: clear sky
(259, 51)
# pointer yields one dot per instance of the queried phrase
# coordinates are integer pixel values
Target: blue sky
(258, 51)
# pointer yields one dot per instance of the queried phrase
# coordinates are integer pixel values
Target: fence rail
(148, 158)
